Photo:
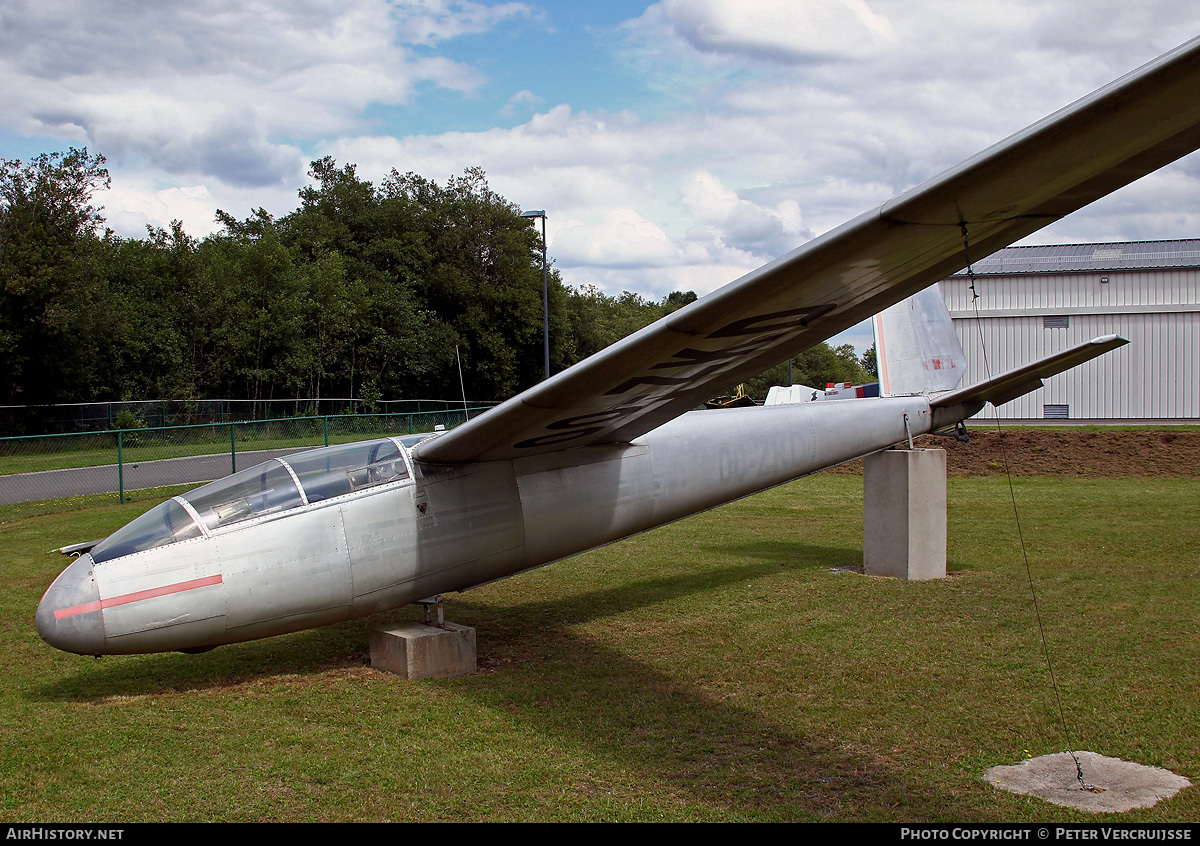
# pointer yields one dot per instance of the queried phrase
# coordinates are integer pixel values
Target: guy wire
(1017, 516)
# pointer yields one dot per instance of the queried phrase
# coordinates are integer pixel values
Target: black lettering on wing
(691, 356)
(579, 426)
(664, 381)
(754, 332)
(791, 318)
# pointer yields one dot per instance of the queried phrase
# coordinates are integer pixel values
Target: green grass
(717, 669)
(140, 499)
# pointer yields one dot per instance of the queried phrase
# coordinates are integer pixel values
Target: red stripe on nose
(137, 596)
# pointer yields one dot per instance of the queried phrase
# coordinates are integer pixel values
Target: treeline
(363, 291)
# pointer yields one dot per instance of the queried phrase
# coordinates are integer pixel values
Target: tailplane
(1016, 383)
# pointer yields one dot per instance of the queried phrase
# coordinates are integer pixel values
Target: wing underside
(1125, 130)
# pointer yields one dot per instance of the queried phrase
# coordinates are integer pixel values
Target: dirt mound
(1067, 451)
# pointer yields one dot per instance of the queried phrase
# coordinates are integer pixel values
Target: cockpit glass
(163, 524)
(264, 489)
(337, 470)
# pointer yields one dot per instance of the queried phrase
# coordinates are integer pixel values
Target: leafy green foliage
(364, 291)
(51, 288)
(869, 362)
(815, 367)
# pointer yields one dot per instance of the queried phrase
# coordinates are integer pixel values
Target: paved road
(81, 481)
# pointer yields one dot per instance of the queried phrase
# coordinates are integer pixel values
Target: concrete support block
(904, 514)
(423, 651)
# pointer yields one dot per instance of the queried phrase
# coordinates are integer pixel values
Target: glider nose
(68, 617)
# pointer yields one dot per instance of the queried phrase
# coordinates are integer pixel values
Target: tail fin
(916, 348)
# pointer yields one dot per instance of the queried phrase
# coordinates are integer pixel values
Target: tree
(678, 299)
(49, 256)
(165, 322)
(816, 367)
(869, 363)
(481, 284)
(597, 320)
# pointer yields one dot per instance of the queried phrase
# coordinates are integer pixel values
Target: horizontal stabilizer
(1016, 383)
(77, 548)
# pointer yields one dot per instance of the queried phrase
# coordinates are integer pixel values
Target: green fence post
(410, 422)
(326, 419)
(232, 448)
(120, 467)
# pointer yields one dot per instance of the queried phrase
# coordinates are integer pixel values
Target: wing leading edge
(1129, 128)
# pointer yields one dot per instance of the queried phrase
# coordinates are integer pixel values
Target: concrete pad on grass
(1116, 785)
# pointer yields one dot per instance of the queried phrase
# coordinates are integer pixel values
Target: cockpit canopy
(268, 488)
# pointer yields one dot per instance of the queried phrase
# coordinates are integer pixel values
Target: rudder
(916, 348)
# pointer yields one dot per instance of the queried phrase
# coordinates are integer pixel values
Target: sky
(673, 145)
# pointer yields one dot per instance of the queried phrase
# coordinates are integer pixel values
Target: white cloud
(520, 102)
(740, 224)
(638, 241)
(218, 88)
(138, 207)
(778, 30)
(742, 128)
(429, 22)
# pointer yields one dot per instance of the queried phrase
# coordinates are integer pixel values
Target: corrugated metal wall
(1157, 376)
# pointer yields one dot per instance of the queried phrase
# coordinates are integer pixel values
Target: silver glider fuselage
(445, 528)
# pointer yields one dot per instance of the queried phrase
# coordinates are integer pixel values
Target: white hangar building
(1033, 301)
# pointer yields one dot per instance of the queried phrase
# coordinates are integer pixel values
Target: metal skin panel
(163, 575)
(286, 567)
(577, 502)
(470, 530)
(75, 587)
(381, 535)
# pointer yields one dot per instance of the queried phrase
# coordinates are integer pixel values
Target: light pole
(545, 289)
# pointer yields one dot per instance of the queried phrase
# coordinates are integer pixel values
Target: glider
(610, 447)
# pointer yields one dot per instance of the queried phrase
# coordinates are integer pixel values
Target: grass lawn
(720, 668)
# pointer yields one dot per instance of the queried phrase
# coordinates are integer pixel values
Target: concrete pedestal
(904, 514)
(423, 651)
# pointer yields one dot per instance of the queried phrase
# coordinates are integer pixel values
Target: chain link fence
(43, 473)
(101, 416)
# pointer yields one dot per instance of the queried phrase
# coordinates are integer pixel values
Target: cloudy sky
(673, 145)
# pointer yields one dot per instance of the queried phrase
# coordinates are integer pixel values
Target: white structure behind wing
(916, 347)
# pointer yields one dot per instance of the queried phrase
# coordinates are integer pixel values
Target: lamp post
(536, 213)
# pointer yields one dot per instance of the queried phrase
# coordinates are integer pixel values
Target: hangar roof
(1076, 258)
